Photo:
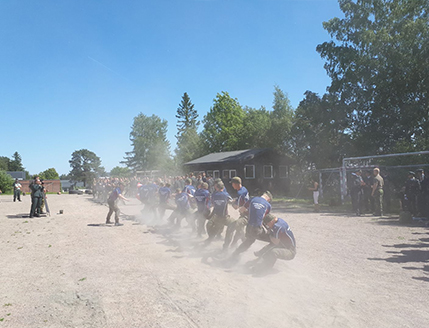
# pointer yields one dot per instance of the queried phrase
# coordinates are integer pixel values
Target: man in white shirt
(16, 190)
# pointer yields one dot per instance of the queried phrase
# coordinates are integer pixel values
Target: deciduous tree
(379, 66)
(223, 125)
(86, 165)
(151, 149)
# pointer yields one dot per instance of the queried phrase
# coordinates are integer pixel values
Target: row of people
(414, 194)
(207, 212)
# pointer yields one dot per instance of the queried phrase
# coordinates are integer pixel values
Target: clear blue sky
(74, 74)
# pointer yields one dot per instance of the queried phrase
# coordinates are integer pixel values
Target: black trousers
(36, 203)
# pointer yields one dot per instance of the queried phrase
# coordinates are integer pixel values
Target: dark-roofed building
(259, 169)
(20, 175)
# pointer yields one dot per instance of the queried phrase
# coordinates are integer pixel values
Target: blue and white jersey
(144, 192)
(153, 189)
(258, 207)
(164, 194)
(282, 231)
(190, 189)
(202, 197)
(115, 194)
(243, 196)
(220, 201)
(182, 201)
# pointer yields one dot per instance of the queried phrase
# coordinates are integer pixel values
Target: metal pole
(426, 152)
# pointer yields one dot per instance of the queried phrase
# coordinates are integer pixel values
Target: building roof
(20, 175)
(228, 156)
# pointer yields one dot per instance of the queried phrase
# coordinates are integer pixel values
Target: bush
(6, 182)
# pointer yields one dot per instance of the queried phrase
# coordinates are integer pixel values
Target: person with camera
(37, 194)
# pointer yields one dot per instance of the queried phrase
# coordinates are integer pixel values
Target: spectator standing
(377, 192)
(16, 190)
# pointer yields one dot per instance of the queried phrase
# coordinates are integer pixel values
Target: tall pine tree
(188, 140)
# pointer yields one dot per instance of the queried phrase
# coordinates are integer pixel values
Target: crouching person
(281, 243)
(183, 209)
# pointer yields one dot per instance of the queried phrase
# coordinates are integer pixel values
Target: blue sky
(74, 74)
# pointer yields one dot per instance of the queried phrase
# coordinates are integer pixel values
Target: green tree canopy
(279, 133)
(256, 124)
(319, 134)
(188, 140)
(151, 149)
(223, 125)
(4, 163)
(379, 66)
(120, 172)
(86, 165)
(65, 177)
(49, 174)
(16, 163)
(6, 182)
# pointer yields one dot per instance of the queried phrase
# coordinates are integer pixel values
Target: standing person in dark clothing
(368, 200)
(412, 190)
(37, 194)
(421, 204)
(424, 185)
(16, 190)
(356, 191)
(113, 206)
(377, 192)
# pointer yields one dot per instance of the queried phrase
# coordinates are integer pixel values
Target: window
(283, 171)
(249, 171)
(232, 173)
(216, 174)
(209, 173)
(268, 171)
(225, 175)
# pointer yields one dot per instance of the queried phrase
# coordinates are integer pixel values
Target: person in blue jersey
(189, 188)
(202, 198)
(149, 192)
(143, 191)
(256, 209)
(164, 193)
(219, 217)
(112, 202)
(282, 244)
(238, 225)
(182, 208)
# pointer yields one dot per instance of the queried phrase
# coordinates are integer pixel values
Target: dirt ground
(71, 270)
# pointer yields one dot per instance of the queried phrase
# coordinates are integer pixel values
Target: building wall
(50, 185)
(254, 185)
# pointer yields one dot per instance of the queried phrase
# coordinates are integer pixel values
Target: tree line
(14, 164)
(377, 102)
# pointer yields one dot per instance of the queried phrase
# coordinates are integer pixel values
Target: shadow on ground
(417, 252)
